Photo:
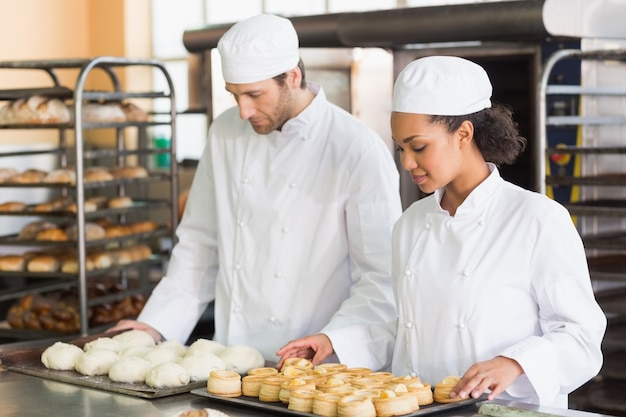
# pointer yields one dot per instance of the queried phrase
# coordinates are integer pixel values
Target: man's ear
(294, 77)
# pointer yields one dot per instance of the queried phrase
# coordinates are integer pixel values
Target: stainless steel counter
(25, 395)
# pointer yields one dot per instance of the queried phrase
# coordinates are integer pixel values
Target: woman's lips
(418, 179)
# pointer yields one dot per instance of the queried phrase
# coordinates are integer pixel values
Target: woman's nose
(408, 163)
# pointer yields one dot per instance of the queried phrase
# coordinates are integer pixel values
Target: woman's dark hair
(495, 132)
(280, 78)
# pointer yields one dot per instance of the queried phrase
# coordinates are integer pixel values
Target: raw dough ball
(105, 343)
(157, 356)
(134, 338)
(61, 356)
(130, 369)
(173, 345)
(139, 351)
(242, 358)
(200, 364)
(206, 345)
(96, 362)
(167, 375)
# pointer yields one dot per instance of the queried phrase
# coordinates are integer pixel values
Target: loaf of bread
(107, 112)
(30, 176)
(6, 173)
(97, 174)
(129, 172)
(61, 176)
(43, 263)
(134, 113)
(120, 202)
(13, 263)
(88, 206)
(56, 204)
(93, 231)
(54, 235)
(31, 230)
(13, 206)
(35, 109)
(143, 227)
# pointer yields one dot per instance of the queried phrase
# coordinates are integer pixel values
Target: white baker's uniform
(289, 232)
(507, 275)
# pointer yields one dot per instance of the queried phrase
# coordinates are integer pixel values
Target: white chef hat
(442, 86)
(258, 48)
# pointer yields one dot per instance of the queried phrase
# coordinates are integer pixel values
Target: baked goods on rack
(31, 230)
(60, 176)
(6, 173)
(13, 206)
(29, 176)
(112, 112)
(12, 263)
(36, 109)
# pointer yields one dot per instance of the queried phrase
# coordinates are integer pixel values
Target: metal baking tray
(279, 408)
(28, 361)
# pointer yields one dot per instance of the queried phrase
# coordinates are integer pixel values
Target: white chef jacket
(507, 275)
(289, 232)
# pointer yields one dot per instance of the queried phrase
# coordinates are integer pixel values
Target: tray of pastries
(130, 362)
(331, 389)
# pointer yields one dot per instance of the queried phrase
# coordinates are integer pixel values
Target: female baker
(491, 280)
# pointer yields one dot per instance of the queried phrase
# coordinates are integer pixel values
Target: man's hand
(496, 375)
(317, 348)
(136, 325)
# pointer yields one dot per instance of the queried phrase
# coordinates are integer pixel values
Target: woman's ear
(465, 133)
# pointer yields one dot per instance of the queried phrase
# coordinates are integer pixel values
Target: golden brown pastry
(355, 406)
(224, 383)
(270, 388)
(325, 404)
(69, 265)
(287, 386)
(443, 388)
(30, 231)
(12, 206)
(121, 256)
(389, 403)
(143, 252)
(101, 260)
(99, 201)
(251, 385)
(14, 263)
(55, 235)
(43, 263)
(423, 392)
(301, 400)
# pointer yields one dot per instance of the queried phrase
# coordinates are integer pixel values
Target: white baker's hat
(442, 86)
(258, 48)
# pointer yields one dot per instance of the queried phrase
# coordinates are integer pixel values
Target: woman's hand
(317, 348)
(136, 325)
(496, 375)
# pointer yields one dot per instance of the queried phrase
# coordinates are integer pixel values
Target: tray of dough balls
(331, 389)
(130, 363)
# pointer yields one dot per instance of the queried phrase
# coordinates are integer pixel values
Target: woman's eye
(399, 149)
(420, 149)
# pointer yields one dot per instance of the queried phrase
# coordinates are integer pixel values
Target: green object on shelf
(162, 160)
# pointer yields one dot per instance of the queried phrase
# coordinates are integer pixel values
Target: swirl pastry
(390, 403)
(443, 388)
(355, 406)
(224, 383)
